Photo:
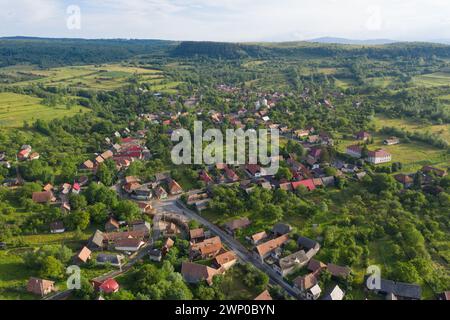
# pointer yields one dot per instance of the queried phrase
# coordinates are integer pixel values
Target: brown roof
(39, 286)
(113, 222)
(208, 246)
(338, 271)
(193, 272)
(42, 197)
(265, 295)
(271, 245)
(131, 186)
(88, 164)
(99, 159)
(48, 187)
(107, 154)
(174, 187)
(379, 153)
(169, 243)
(226, 257)
(197, 233)
(306, 282)
(84, 254)
(403, 178)
(129, 242)
(259, 236)
(315, 265)
(130, 179)
(114, 236)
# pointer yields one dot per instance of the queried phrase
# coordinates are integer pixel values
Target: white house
(379, 156)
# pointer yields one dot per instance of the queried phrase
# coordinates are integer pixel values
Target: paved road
(175, 205)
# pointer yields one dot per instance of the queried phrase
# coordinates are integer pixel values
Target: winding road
(175, 205)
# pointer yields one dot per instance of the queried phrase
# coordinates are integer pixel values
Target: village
(167, 210)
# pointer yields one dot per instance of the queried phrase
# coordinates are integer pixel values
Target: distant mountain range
(331, 40)
(351, 41)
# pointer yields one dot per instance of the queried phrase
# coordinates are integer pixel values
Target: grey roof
(298, 259)
(96, 239)
(281, 228)
(328, 181)
(155, 252)
(401, 289)
(108, 258)
(308, 243)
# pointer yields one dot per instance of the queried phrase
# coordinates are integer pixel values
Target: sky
(228, 20)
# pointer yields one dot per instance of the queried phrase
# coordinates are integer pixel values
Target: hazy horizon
(228, 20)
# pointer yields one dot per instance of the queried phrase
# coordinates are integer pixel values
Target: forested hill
(299, 49)
(219, 50)
(45, 52)
(57, 52)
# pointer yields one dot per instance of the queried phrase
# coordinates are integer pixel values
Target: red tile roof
(265, 295)
(309, 184)
(109, 286)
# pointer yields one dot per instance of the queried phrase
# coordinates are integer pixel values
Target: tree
(284, 173)
(77, 202)
(383, 182)
(52, 268)
(78, 220)
(86, 292)
(127, 210)
(98, 213)
(107, 172)
(404, 272)
(273, 212)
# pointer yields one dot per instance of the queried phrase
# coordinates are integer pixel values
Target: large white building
(379, 156)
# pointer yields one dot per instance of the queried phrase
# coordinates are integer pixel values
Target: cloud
(230, 20)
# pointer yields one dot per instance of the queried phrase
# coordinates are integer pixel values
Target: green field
(433, 79)
(442, 130)
(413, 155)
(98, 77)
(13, 277)
(17, 108)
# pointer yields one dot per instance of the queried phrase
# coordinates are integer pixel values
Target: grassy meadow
(17, 108)
(94, 77)
(412, 155)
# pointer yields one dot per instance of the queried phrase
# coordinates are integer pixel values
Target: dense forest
(57, 52)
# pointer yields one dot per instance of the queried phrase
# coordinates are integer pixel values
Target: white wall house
(379, 156)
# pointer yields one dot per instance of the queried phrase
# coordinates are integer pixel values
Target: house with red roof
(309, 184)
(205, 177)
(109, 286)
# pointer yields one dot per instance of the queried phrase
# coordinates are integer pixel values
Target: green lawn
(98, 77)
(13, 277)
(17, 108)
(413, 155)
(433, 79)
(442, 130)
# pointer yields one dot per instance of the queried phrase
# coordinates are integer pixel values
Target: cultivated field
(412, 155)
(433, 79)
(17, 108)
(96, 77)
(442, 130)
